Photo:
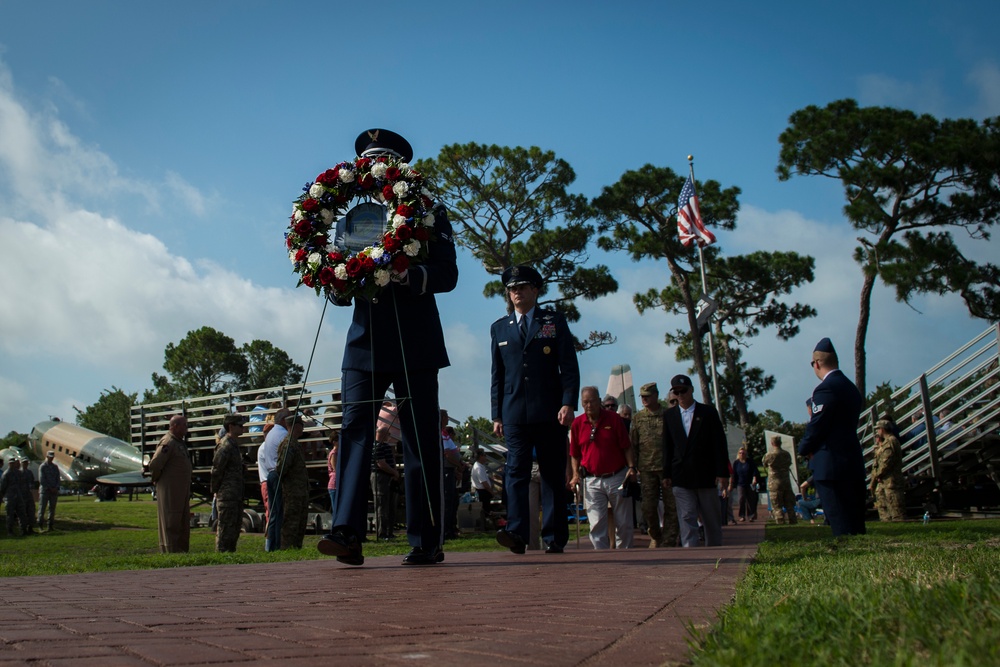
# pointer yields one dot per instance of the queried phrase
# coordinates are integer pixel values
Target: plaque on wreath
(363, 226)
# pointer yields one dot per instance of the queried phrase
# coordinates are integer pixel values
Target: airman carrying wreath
(346, 253)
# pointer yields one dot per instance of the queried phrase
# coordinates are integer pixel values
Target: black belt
(610, 474)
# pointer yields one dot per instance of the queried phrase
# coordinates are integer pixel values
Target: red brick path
(578, 608)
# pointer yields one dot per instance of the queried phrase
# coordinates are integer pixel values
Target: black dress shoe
(421, 556)
(345, 547)
(512, 541)
(553, 549)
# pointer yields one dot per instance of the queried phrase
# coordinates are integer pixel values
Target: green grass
(93, 537)
(905, 594)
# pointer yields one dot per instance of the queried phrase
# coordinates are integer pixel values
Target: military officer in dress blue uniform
(535, 385)
(395, 339)
(831, 444)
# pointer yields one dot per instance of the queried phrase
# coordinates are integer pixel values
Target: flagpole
(704, 289)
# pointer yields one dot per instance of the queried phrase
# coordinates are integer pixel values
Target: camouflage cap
(649, 389)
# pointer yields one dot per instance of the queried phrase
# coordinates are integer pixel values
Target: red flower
(421, 233)
(320, 240)
(336, 257)
(363, 162)
(404, 210)
(404, 232)
(387, 193)
(400, 263)
(303, 228)
(428, 202)
(339, 285)
(326, 275)
(328, 177)
(392, 173)
(307, 280)
(366, 182)
(310, 205)
(288, 242)
(353, 267)
(368, 263)
(390, 244)
(300, 254)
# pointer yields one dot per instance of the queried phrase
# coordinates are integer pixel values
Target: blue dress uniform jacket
(532, 380)
(378, 340)
(395, 338)
(837, 462)
(832, 434)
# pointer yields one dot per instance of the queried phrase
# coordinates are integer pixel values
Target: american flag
(689, 224)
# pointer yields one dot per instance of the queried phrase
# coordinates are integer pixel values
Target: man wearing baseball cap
(695, 463)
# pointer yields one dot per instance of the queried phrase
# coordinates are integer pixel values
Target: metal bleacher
(321, 399)
(949, 422)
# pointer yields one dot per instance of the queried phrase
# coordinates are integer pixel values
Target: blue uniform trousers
(548, 440)
(417, 407)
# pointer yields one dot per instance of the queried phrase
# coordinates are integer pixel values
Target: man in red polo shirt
(601, 454)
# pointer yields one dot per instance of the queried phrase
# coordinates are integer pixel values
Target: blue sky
(150, 152)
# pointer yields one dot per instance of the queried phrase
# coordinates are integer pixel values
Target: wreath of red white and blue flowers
(333, 271)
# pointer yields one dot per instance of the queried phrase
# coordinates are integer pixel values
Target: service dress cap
(649, 389)
(379, 141)
(521, 274)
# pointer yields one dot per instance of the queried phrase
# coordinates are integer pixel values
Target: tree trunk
(860, 360)
(738, 395)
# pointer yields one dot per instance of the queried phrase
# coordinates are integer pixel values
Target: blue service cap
(377, 140)
(521, 275)
(824, 345)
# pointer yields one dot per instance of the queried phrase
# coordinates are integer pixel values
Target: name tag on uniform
(501, 343)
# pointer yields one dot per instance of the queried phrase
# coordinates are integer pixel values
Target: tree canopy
(207, 362)
(909, 181)
(512, 206)
(110, 414)
(638, 215)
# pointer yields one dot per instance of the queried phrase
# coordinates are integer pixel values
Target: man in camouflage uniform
(11, 489)
(779, 485)
(887, 482)
(227, 484)
(647, 442)
(294, 481)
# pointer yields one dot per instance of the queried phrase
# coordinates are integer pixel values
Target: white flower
(340, 271)
(314, 259)
(401, 188)
(428, 220)
(412, 248)
(378, 169)
(377, 252)
(398, 220)
(404, 167)
(381, 277)
(316, 190)
(297, 214)
(291, 255)
(346, 175)
(326, 215)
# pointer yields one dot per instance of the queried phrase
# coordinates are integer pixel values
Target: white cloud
(986, 79)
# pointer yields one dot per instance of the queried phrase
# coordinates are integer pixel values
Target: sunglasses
(680, 391)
